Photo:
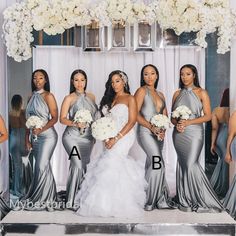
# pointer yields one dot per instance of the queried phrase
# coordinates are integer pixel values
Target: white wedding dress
(114, 185)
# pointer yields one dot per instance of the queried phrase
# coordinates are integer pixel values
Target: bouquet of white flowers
(83, 116)
(104, 128)
(160, 121)
(34, 122)
(182, 112)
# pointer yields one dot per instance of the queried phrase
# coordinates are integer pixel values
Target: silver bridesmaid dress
(15, 148)
(229, 201)
(220, 177)
(157, 190)
(42, 192)
(4, 208)
(194, 191)
(72, 138)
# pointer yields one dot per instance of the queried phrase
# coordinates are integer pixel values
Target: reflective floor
(157, 222)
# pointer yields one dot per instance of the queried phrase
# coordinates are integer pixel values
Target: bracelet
(121, 135)
(116, 138)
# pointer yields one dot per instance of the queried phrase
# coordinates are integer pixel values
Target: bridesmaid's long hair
(109, 94)
(46, 86)
(16, 102)
(72, 87)
(142, 82)
(195, 73)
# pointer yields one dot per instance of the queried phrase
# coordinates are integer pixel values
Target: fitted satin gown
(83, 143)
(194, 191)
(15, 146)
(114, 185)
(220, 177)
(229, 201)
(42, 191)
(157, 191)
(21, 166)
(4, 208)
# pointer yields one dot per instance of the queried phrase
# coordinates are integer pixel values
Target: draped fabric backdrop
(232, 86)
(4, 173)
(59, 62)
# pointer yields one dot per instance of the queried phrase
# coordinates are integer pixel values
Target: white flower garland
(17, 29)
(54, 16)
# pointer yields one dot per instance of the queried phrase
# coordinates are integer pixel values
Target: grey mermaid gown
(229, 201)
(83, 143)
(193, 189)
(42, 192)
(21, 166)
(157, 190)
(220, 177)
(4, 208)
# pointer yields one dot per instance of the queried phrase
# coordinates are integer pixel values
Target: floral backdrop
(55, 16)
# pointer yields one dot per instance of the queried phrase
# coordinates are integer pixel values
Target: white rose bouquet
(34, 122)
(104, 128)
(161, 122)
(83, 116)
(181, 113)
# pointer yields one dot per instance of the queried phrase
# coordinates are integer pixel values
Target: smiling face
(187, 77)
(39, 80)
(117, 83)
(79, 82)
(150, 76)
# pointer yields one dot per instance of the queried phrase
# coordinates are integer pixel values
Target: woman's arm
(231, 135)
(64, 112)
(214, 132)
(3, 131)
(52, 105)
(174, 120)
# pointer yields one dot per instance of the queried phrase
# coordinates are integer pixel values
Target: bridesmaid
(42, 191)
(220, 177)
(17, 146)
(151, 102)
(194, 192)
(230, 198)
(4, 209)
(72, 138)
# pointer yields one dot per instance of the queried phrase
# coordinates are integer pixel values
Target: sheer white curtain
(4, 173)
(232, 85)
(59, 62)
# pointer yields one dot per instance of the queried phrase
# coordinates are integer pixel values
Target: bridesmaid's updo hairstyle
(142, 82)
(195, 73)
(72, 87)
(46, 86)
(109, 94)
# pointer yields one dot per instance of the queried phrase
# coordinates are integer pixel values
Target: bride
(114, 185)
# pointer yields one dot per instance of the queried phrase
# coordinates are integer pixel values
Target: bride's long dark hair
(109, 94)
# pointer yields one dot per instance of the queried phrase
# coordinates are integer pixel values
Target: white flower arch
(55, 16)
